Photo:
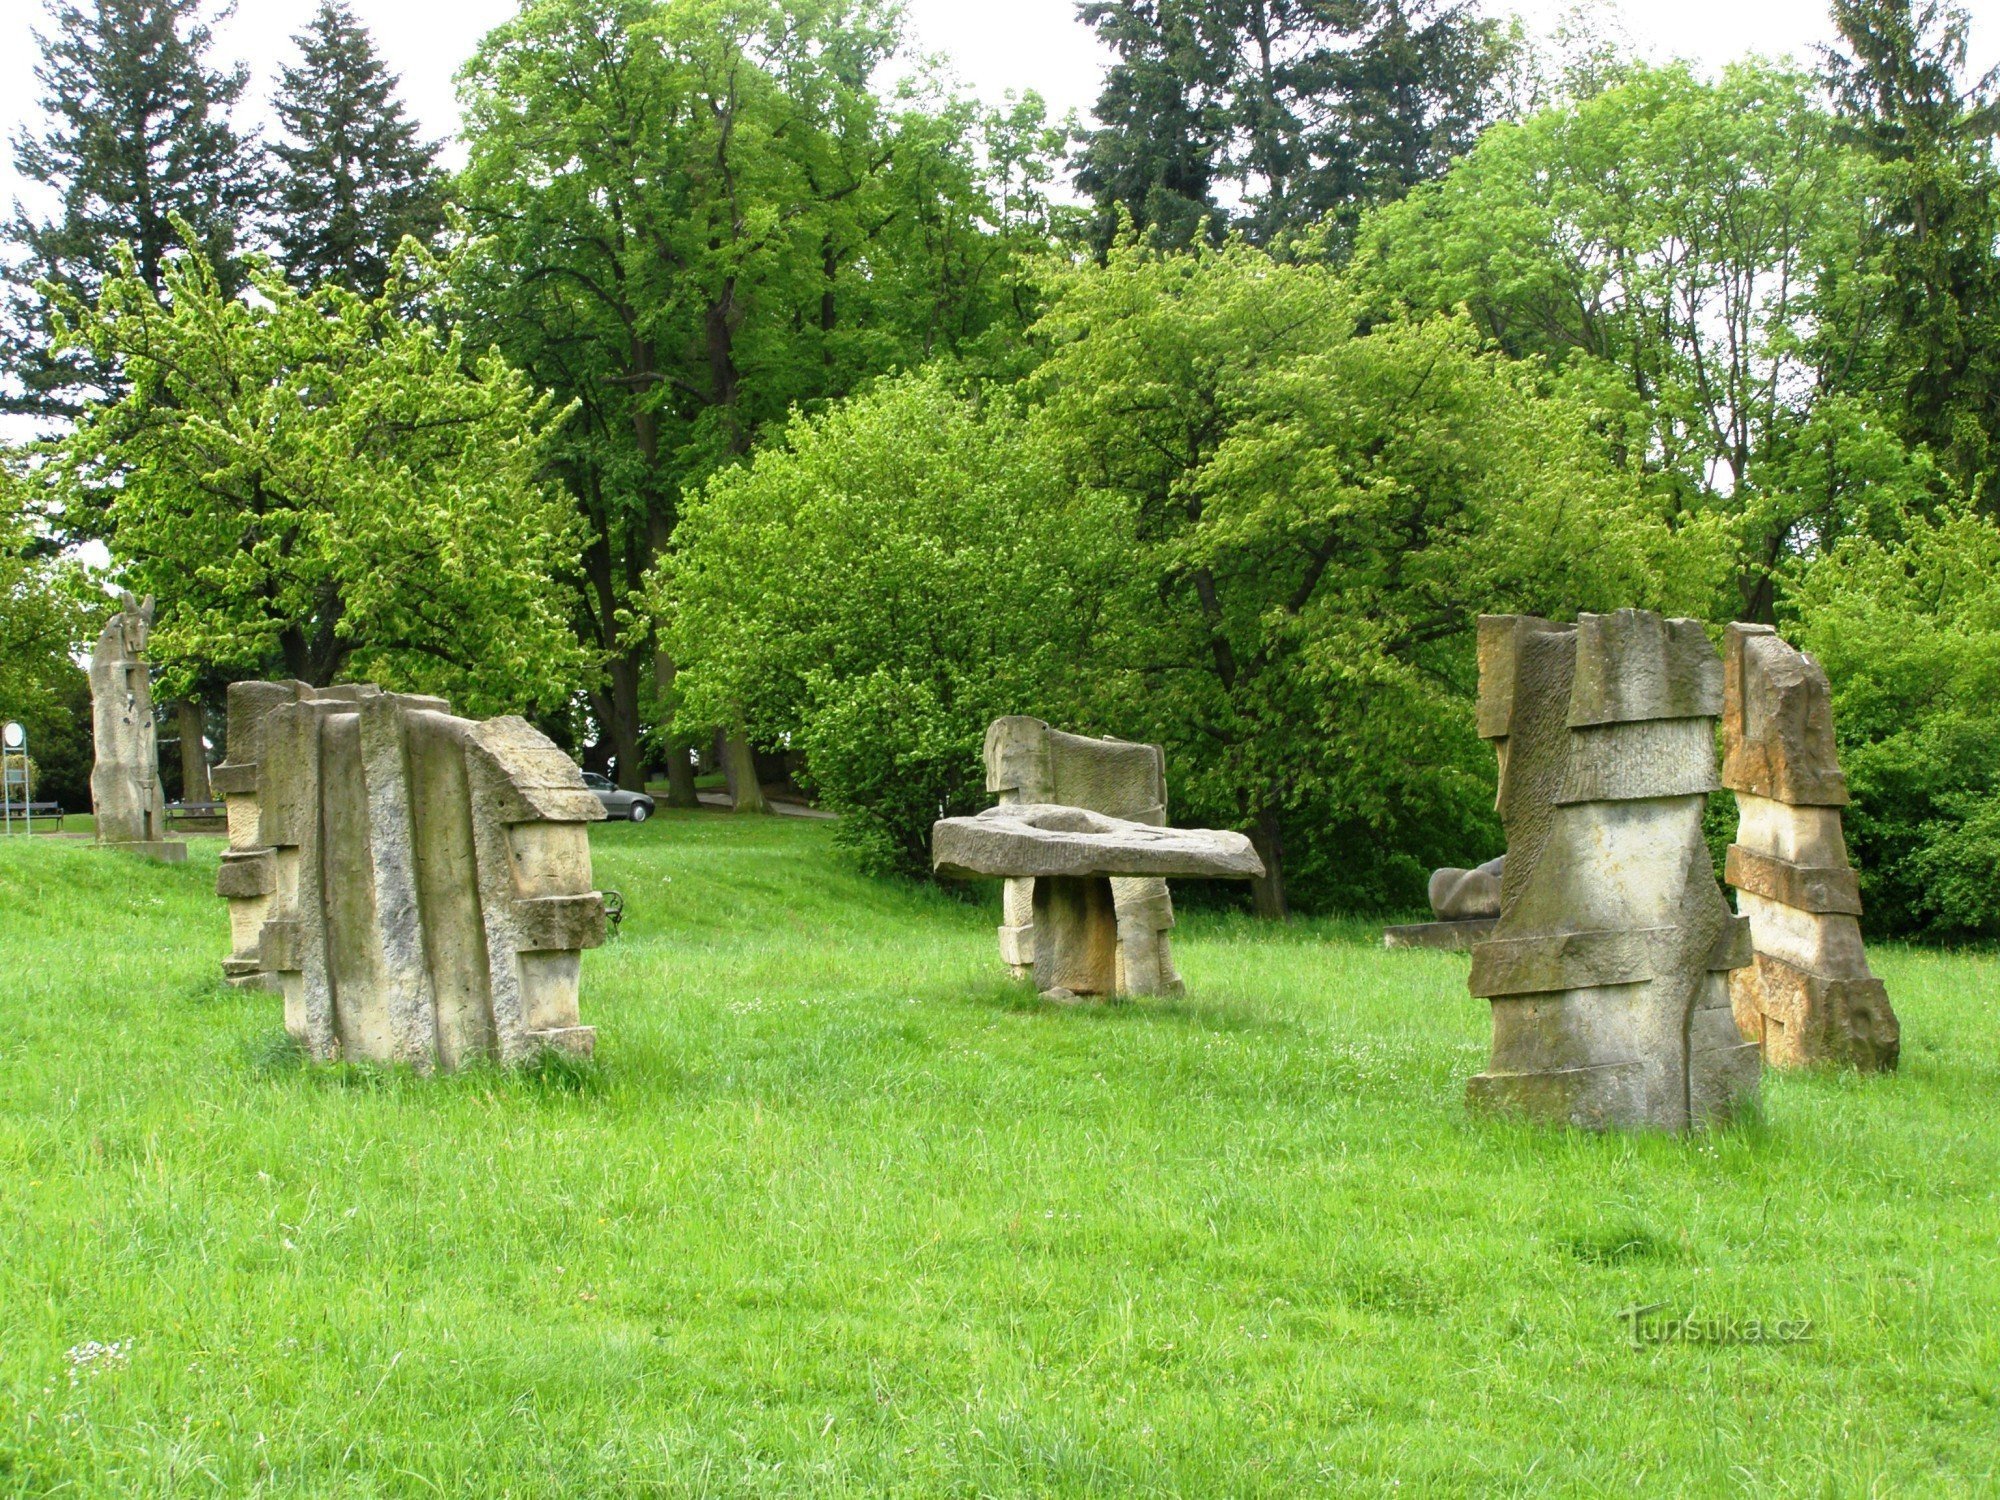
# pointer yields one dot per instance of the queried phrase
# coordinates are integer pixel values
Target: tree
(1666, 244)
(352, 177)
(700, 215)
(138, 132)
(1924, 296)
(878, 587)
(324, 485)
(44, 620)
(1311, 107)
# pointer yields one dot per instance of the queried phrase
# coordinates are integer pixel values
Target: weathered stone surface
(1030, 763)
(1810, 996)
(1607, 969)
(416, 885)
(1092, 921)
(1777, 732)
(125, 795)
(1467, 895)
(1038, 841)
(1451, 937)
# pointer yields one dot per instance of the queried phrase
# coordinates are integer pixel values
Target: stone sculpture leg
(1145, 956)
(1076, 936)
(1017, 928)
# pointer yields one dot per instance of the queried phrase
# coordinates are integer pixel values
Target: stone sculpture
(1607, 970)
(1027, 764)
(1466, 904)
(1075, 858)
(416, 885)
(131, 811)
(1809, 996)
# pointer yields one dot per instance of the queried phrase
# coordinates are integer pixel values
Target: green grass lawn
(839, 1210)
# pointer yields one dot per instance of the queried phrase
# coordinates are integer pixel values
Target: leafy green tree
(325, 485)
(137, 132)
(1309, 107)
(700, 214)
(351, 176)
(1908, 630)
(44, 620)
(1918, 320)
(879, 587)
(1665, 244)
(1317, 517)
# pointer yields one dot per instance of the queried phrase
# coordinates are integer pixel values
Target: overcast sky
(993, 45)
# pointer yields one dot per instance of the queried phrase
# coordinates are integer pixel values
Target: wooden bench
(34, 810)
(196, 812)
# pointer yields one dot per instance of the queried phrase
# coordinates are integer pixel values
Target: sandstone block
(125, 795)
(416, 885)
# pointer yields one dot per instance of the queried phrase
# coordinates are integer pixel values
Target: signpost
(16, 784)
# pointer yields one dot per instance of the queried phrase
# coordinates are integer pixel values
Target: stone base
(1076, 936)
(1452, 937)
(165, 851)
(1799, 1019)
(577, 1041)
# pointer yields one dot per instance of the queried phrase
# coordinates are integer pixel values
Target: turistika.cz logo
(1648, 1327)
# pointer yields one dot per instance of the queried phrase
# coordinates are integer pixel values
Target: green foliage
(352, 179)
(1925, 281)
(1225, 522)
(702, 214)
(137, 133)
(1310, 110)
(326, 486)
(1660, 243)
(1909, 634)
(879, 587)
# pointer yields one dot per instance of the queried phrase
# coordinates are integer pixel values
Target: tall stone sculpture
(1608, 968)
(416, 885)
(1030, 764)
(1076, 859)
(125, 780)
(1809, 996)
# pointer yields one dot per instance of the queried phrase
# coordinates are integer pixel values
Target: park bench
(195, 812)
(33, 810)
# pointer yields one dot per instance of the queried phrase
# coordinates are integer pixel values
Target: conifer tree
(352, 176)
(138, 131)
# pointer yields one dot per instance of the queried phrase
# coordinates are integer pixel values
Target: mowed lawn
(840, 1210)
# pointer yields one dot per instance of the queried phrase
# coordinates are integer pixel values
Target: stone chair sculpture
(1608, 968)
(1028, 763)
(416, 885)
(125, 794)
(1075, 858)
(1809, 996)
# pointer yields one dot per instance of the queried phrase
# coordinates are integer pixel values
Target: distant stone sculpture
(1075, 857)
(1809, 996)
(125, 795)
(1466, 904)
(1607, 969)
(1028, 764)
(416, 885)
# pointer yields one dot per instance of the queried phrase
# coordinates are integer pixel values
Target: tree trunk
(1267, 894)
(194, 755)
(624, 725)
(746, 793)
(680, 754)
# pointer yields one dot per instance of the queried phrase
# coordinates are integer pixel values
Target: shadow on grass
(1219, 1013)
(550, 1074)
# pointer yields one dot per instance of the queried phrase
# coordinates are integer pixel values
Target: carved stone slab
(416, 885)
(1077, 859)
(1028, 762)
(125, 795)
(1809, 997)
(1607, 967)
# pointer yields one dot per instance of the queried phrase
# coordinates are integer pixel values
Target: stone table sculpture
(1809, 996)
(1028, 764)
(1466, 904)
(125, 795)
(1074, 856)
(416, 885)
(1607, 970)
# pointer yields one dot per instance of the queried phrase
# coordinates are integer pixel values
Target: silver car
(634, 807)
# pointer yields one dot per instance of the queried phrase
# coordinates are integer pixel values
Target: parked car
(634, 807)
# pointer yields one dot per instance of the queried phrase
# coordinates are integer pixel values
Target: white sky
(993, 45)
